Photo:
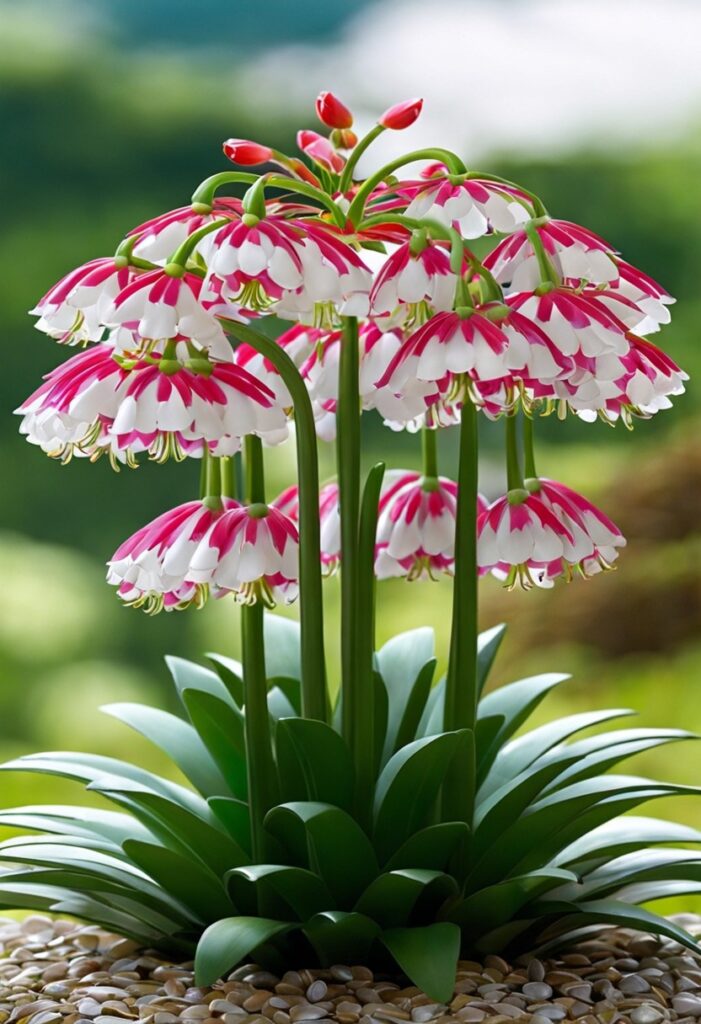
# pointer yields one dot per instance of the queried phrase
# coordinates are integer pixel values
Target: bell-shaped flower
(574, 252)
(473, 205)
(73, 311)
(151, 568)
(250, 551)
(646, 295)
(159, 237)
(94, 403)
(329, 520)
(412, 286)
(596, 538)
(416, 527)
(158, 306)
(518, 534)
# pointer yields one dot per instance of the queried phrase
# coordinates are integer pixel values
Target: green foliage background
(100, 133)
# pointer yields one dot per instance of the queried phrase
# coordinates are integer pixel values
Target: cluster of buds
(553, 319)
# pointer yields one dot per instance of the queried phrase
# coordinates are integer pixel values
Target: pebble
(537, 990)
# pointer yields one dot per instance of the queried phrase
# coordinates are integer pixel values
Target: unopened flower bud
(246, 153)
(320, 150)
(332, 112)
(401, 115)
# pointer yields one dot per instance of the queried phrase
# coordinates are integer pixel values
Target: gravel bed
(57, 972)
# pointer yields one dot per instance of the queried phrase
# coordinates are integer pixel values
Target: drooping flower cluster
(552, 319)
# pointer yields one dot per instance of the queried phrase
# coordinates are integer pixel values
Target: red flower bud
(344, 138)
(332, 112)
(401, 115)
(245, 153)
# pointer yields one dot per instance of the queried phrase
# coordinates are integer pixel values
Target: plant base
(59, 972)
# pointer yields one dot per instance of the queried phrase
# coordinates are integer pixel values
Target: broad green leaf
(282, 647)
(647, 892)
(640, 866)
(402, 663)
(188, 881)
(520, 753)
(381, 716)
(488, 644)
(330, 843)
(414, 708)
(279, 705)
(235, 816)
(515, 702)
(407, 789)
(230, 672)
(392, 898)
(614, 913)
(86, 822)
(340, 937)
(296, 892)
(433, 847)
(225, 943)
(313, 762)
(292, 689)
(177, 740)
(428, 956)
(431, 723)
(496, 905)
(187, 675)
(620, 836)
(220, 726)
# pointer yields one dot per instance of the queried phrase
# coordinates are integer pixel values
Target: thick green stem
(461, 687)
(262, 780)
(363, 732)
(429, 452)
(348, 462)
(514, 476)
(226, 471)
(205, 192)
(314, 695)
(367, 140)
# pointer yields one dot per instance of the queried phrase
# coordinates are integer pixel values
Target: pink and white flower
(574, 252)
(304, 270)
(160, 236)
(93, 404)
(416, 527)
(551, 532)
(157, 306)
(577, 323)
(329, 519)
(411, 286)
(73, 311)
(151, 568)
(475, 206)
(252, 552)
(649, 297)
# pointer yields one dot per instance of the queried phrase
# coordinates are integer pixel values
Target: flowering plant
(406, 822)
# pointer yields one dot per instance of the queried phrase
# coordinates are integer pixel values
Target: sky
(522, 75)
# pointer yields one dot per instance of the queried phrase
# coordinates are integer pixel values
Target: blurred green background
(112, 113)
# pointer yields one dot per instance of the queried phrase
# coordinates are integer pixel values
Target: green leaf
(614, 913)
(282, 647)
(186, 880)
(330, 843)
(392, 898)
(515, 702)
(402, 663)
(177, 740)
(221, 727)
(279, 705)
(431, 723)
(428, 956)
(235, 816)
(187, 675)
(433, 847)
(620, 836)
(314, 763)
(225, 943)
(340, 937)
(296, 892)
(407, 789)
(488, 644)
(496, 905)
(230, 672)
(86, 822)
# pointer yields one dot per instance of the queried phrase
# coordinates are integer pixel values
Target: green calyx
(254, 202)
(418, 241)
(213, 502)
(532, 485)
(174, 270)
(430, 484)
(497, 312)
(169, 362)
(258, 510)
(517, 496)
(464, 312)
(201, 208)
(250, 220)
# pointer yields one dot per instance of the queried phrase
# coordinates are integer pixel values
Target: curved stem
(539, 209)
(514, 476)
(360, 148)
(452, 162)
(363, 732)
(348, 463)
(204, 193)
(314, 695)
(461, 686)
(262, 780)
